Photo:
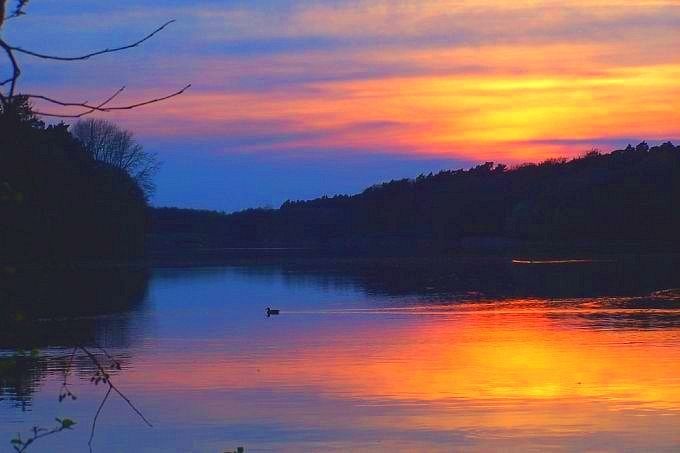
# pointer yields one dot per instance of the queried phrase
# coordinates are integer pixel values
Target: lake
(408, 354)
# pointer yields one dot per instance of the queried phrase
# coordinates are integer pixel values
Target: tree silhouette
(64, 197)
(108, 143)
(626, 195)
(82, 108)
(61, 203)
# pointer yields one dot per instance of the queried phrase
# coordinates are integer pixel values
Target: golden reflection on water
(515, 370)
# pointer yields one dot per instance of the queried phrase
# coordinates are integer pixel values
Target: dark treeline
(63, 196)
(626, 195)
(57, 201)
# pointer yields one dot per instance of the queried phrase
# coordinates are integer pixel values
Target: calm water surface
(367, 357)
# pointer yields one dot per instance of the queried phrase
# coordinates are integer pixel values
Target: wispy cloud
(466, 79)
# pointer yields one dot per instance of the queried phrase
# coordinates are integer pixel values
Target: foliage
(20, 445)
(62, 309)
(56, 201)
(626, 195)
(101, 366)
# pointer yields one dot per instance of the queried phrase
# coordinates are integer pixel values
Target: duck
(271, 311)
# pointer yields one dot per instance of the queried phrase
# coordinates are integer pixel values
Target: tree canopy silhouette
(57, 201)
(108, 143)
(62, 196)
(627, 195)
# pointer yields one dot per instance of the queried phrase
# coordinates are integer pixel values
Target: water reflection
(497, 277)
(371, 356)
(44, 314)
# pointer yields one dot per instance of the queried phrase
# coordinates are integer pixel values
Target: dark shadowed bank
(627, 199)
(57, 202)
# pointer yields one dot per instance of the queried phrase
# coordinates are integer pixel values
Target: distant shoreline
(517, 252)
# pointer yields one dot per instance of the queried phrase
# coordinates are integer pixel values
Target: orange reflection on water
(512, 369)
(478, 354)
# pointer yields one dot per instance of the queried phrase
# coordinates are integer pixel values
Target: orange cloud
(487, 115)
(474, 79)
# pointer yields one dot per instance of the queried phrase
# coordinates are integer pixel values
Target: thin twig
(132, 406)
(16, 71)
(109, 99)
(5, 99)
(112, 97)
(37, 436)
(65, 391)
(96, 108)
(95, 361)
(96, 417)
(93, 54)
(70, 362)
(18, 11)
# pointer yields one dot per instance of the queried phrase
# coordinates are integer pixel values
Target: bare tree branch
(97, 108)
(96, 416)
(18, 11)
(109, 99)
(112, 97)
(21, 446)
(65, 391)
(6, 98)
(103, 372)
(16, 71)
(93, 54)
(105, 142)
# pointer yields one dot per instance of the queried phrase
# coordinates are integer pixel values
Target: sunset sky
(295, 99)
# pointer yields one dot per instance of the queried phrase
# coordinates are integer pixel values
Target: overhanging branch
(16, 71)
(92, 54)
(86, 108)
(98, 108)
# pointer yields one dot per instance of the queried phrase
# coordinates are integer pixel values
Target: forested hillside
(626, 195)
(57, 201)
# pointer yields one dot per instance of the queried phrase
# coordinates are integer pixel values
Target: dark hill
(626, 195)
(57, 203)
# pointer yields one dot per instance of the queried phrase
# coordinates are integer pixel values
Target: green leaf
(67, 423)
